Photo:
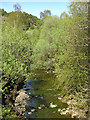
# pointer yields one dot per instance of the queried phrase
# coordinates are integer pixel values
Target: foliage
(7, 113)
(23, 20)
(3, 12)
(44, 50)
(15, 54)
(57, 44)
(45, 14)
(64, 15)
(74, 61)
(19, 19)
(62, 46)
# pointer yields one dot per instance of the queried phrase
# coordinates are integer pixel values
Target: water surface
(42, 92)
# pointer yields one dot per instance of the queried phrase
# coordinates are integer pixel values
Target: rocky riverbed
(25, 104)
(33, 102)
(21, 101)
(39, 99)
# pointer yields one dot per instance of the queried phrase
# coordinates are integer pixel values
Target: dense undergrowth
(59, 45)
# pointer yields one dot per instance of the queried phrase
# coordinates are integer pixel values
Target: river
(45, 101)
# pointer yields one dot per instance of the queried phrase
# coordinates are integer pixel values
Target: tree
(17, 7)
(45, 14)
(73, 60)
(64, 15)
(15, 18)
(46, 46)
(3, 12)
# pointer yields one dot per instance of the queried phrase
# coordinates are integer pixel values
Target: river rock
(63, 109)
(52, 105)
(29, 113)
(32, 110)
(59, 110)
(21, 101)
(67, 108)
(39, 108)
(20, 110)
(59, 98)
(74, 115)
(22, 96)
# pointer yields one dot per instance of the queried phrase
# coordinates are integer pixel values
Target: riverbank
(77, 104)
(77, 107)
(43, 88)
(9, 94)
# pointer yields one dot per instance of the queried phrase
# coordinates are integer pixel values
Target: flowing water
(42, 93)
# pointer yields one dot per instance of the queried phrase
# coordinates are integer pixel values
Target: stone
(22, 106)
(63, 113)
(29, 113)
(68, 102)
(63, 109)
(67, 111)
(24, 102)
(52, 105)
(59, 110)
(74, 115)
(41, 97)
(32, 110)
(39, 108)
(22, 90)
(18, 99)
(59, 98)
(67, 108)
(21, 97)
(16, 104)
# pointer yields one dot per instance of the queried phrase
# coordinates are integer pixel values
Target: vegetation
(45, 14)
(57, 44)
(3, 12)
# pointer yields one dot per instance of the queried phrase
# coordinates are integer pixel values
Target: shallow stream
(42, 94)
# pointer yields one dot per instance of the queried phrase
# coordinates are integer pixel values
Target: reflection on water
(42, 92)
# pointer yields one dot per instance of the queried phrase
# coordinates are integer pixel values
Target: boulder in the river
(21, 101)
(22, 96)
